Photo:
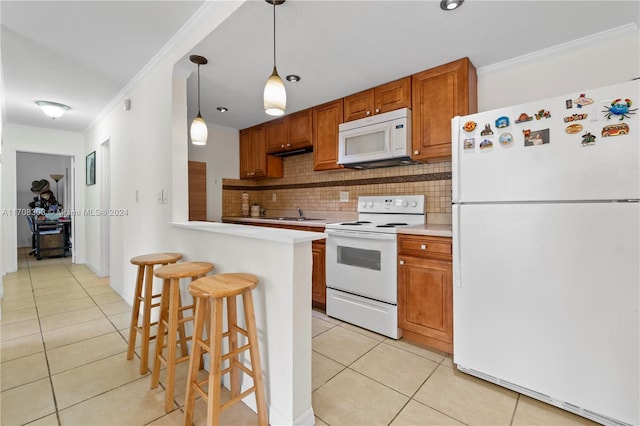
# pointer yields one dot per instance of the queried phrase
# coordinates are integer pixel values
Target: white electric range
(362, 262)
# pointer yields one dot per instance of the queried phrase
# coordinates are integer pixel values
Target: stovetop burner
(360, 222)
(392, 225)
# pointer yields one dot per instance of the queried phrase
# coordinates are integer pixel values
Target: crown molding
(561, 49)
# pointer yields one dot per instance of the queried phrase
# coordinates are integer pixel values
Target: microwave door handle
(360, 235)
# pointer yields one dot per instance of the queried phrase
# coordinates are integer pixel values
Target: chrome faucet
(300, 213)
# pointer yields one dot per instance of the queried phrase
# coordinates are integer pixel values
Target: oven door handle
(361, 235)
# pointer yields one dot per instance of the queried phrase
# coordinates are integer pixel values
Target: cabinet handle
(288, 145)
(423, 246)
(368, 112)
(377, 110)
(402, 262)
(416, 152)
(282, 146)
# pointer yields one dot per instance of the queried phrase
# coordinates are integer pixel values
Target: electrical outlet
(344, 196)
(159, 197)
(273, 197)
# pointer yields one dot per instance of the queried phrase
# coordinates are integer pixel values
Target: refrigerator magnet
(486, 144)
(619, 108)
(536, 137)
(469, 126)
(502, 122)
(615, 130)
(523, 118)
(588, 139)
(568, 104)
(575, 117)
(505, 139)
(543, 113)
(573, 128)
(487, 130)
(469, 144)
(583, 101)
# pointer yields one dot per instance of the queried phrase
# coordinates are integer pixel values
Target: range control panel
(406, 204)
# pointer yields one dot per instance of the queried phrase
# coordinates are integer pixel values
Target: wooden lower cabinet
(425, 290)
(318, 277)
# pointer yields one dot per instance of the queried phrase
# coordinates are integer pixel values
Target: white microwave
(378, 141)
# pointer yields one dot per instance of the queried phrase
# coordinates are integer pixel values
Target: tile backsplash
(320, 191)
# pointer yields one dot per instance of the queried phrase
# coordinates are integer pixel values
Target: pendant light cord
(198, 89)
(274, 33)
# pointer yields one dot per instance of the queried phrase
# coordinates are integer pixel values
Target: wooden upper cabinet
(275, 133)
(439, 94)
(326, 119)
(384, 98)
(294, 131)
(300, 132)
(254, 161)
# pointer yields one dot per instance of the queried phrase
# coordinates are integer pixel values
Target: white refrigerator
(546, 255)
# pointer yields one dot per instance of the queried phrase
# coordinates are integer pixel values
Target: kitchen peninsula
(281, 258)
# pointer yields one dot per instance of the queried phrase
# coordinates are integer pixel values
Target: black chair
(33, 235)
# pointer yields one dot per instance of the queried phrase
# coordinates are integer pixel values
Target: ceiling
(337, 47)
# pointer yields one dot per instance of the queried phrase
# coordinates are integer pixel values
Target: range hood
(376, 164)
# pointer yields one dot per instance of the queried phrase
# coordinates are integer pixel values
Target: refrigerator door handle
(457, 268)
(455, 134)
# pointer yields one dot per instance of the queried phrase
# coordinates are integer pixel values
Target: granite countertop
(430, 229)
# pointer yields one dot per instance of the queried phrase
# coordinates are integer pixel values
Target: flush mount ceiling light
(275, 96)
(198, 130)
(222, 109)
(52, 109)
(293, 78)
(450, 4)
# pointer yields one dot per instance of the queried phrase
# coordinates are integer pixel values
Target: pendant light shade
(275, 95)
(198, 131)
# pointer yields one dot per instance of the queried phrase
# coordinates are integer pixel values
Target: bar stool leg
(195, 360)
(233, 346)
(135, 313)
(254, 352)
(146, 320)
(162, 330)
(172, 327)
(215, 363)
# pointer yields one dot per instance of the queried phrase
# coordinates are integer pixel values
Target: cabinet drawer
(425, 246)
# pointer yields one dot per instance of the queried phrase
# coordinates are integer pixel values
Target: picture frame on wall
(91, 168)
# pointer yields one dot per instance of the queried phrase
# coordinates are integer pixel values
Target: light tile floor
(63, 352)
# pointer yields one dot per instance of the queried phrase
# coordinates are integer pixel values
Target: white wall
(222, 155)
(30, 167)
(589, 63)
(143, 144)
(33, 139)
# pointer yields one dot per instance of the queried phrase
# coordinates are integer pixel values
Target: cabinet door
(359, 105)
(258, 152)
(393, 95)
(439, 94)
(246, 154)
(197, 190)
(275, 134)
(300, 129)
(318, 279)
(425, 300)
(326, 119)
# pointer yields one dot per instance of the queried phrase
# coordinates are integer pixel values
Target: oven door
(362, 263)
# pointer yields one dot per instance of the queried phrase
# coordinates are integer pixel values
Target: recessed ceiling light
(293, 78)
(450, 4)
(222, 109)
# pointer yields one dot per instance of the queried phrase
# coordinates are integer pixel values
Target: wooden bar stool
(209, 293)
(172, 321)
(144, 297)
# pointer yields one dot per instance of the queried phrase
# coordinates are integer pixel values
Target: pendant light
(275, 96)
(198, 130)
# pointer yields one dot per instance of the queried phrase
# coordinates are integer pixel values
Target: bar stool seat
(172, 320)
(209, 293)
(143, 297)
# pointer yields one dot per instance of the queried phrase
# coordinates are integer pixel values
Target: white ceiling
(83, 53)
